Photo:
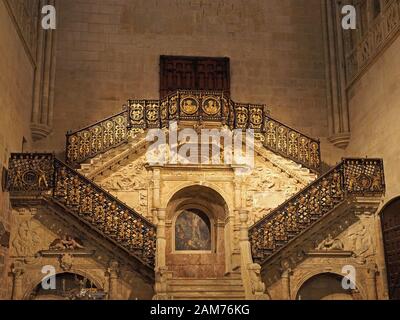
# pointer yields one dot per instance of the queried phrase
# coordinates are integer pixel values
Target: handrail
(212, 106)
(44, 174)
(292, 144)
(98, 138)
(362, 177)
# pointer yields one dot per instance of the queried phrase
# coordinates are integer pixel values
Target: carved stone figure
(361, 243)
(66, 243)
(66, 261)
(257, 286)
(330, 244)
(27, 239)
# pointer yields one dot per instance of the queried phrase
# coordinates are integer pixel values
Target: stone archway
(325, 286)
(193, 214)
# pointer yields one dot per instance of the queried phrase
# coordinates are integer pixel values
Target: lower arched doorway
(391, 238)
(68, 286)
(325, 286)
(196, 233)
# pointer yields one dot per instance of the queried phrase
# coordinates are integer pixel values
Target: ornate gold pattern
(85, 200)
(362, 177)
(193, 106)
(291, 143)
(189, 106)
(100, 137)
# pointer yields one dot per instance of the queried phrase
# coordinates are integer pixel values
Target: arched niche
(196, 233)
(68, 286)
(325, 286)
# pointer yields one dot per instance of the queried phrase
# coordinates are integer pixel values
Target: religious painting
(211, 106)
(192, 231)
(189, 106)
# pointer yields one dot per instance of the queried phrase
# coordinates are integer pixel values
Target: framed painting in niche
(192, 231)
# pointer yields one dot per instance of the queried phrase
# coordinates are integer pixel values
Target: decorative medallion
(211, 106)
(256, 117)
(137, 113)
(189, 106)
(152, 112)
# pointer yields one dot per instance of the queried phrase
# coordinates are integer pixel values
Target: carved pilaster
(286, 273)
(113, 274)
(18, 271)
(160, 286)
(161, 238)
(371, 283)
(156, 187)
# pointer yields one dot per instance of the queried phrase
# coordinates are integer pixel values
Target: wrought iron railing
(44, 174)
(200, 106)
(292, 144)
(362, 177)
(98, 138)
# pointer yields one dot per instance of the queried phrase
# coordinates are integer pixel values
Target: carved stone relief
(130, 184)
(26, 241)
(267, 188)
(131, 177)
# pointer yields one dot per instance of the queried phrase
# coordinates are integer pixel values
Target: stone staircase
(102, 162)
(227, 288)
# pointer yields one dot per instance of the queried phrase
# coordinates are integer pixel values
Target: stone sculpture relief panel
(267, 188)
(129, 183)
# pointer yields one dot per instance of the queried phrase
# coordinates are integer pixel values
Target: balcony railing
(46, 175)
(198, 106)
(359, 177)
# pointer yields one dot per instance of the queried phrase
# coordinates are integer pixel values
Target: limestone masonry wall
(108, 51)
(374, 115)
(16, 85)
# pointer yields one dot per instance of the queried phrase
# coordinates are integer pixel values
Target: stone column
(18, 272)
(338, 114)
(245, 247)
(161, 238)
(43, 95)
(113, 271)
(371, 283)
(156, 187)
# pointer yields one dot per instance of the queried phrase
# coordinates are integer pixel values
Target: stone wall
(16, 86)
(374, 113)
(108, 51)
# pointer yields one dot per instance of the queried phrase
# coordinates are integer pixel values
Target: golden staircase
(42, 175)
(65, 185)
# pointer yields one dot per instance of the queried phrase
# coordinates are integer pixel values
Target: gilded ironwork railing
(362, 177)
(98, 138)
(200, 106)
(292, 144)
(43, 173)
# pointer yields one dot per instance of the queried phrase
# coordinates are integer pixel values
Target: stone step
(205, 282)
(210, 296)
(207, 289)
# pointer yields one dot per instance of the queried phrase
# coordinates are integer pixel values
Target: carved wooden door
(193, 73)
(391, 238)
